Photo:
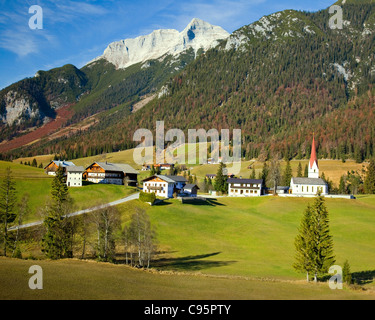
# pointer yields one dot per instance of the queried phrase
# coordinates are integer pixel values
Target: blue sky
(78, 31)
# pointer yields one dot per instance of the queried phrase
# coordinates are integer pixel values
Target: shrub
(346, 274)
(147, 197)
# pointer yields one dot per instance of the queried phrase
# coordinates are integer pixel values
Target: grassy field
(255, 237)
(205, 246)
(76, 280)
(224, 249)
(37, 184)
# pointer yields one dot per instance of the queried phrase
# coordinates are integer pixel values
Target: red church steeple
(313, 157)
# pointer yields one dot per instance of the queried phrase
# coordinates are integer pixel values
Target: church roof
(313, 157)
(309, 181)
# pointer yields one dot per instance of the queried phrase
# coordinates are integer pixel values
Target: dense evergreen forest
(279, 87)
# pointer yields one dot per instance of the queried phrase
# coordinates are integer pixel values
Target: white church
(313, 184)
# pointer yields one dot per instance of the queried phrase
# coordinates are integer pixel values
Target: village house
(311, 185)
(190, 190)
(164, 166)
(74, 176)
(54, 165)
(213, 176)
(164, 186)
(245, 187)
(111, 173)
(161, 166)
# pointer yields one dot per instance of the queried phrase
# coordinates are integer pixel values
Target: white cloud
(15, 34)
(69, 11)
(23, 41)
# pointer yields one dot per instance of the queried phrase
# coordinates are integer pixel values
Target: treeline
(353, 182)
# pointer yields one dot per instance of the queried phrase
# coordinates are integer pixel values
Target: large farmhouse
(311, 185)
(164, 186)
(245, 187)
(54, 165)
(111, 173)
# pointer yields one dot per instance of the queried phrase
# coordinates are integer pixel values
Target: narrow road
(78, 213)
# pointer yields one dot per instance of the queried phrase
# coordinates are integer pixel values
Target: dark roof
(245, 181)
(190, 186)
(310, 181)
(282, 188)
(75, 169)
(177, 178)
(116, 167)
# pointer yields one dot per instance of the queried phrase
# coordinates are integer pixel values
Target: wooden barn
(111, 173)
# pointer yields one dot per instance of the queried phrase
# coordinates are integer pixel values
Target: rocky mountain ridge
(198, 35)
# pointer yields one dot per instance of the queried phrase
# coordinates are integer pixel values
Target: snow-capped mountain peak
(197, 35)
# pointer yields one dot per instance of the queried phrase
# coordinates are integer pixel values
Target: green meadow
(37, 185)
(224, 248)
(255, 236)
(77, 280)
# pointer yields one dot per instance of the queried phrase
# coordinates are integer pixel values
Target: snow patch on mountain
(341, 70)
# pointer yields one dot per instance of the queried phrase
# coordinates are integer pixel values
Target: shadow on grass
(161, 203)
(363, 277)
(87, 183)
(360, 278)
(203, 202)
(190, 263)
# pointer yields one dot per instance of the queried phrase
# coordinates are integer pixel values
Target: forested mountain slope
(279, 80)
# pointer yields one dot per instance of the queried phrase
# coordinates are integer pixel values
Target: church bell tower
(313, 165)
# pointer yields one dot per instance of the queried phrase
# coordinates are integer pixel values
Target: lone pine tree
(56, 242)
(7, 205)
(221, 184)
(314, 243)
(288, 174)
(369, 183)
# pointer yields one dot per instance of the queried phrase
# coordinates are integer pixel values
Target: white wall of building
(244, 190)
(166, 188)
(314, 171)
(304, 189)
(74, 179)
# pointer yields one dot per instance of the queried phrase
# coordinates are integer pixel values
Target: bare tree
(107, 220)
(84, 230)
(142, 238)
(23, 212)
(275, 175)
(126, 239)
